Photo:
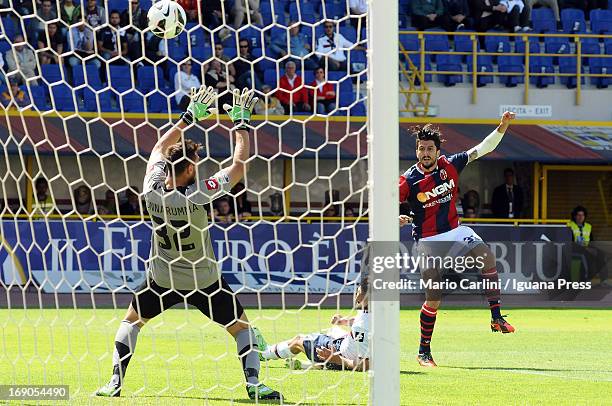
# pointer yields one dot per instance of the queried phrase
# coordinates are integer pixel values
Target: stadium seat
(120, 78)
(51, 73)
(600, 66)
(416, 61)
(89, 76)
(4, 45)
(133, 102)
(601, 21)
(510, 64)
(499, 44)
(146, 78)
(534, 46)
(62, 98)
(39, 97)
(608, 46)
(410, 42)
(449, 63)
(270, 78)
(334, 11)
(266, 13)
(556, 46)
(266, 62)
(349, 32)
(358, 60)
(346, 99)
(100, 101)
(304, 13)
(251, 34)
(568, 65)
(436, 42)
(484, 63)
(403, 21)
(463, 43)
(541, 64)
(359, 110)
(590, 46)
(8, 27)
(543, 20)
(573, 20)
(177, 48)
(157, 103)
(119, 5)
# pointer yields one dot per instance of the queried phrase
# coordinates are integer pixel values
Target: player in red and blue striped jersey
(431, 189)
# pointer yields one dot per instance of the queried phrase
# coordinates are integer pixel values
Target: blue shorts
(313, 341)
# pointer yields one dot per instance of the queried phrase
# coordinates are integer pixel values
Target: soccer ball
(166, 19)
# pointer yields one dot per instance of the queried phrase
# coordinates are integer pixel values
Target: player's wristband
(187, 117)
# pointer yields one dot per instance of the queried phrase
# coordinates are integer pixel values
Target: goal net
(86, 94)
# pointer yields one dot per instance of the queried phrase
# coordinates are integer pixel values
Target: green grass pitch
(557, 357)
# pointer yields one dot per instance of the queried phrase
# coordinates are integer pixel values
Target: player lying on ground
(431, 188)
(182, 268)
(350, 351)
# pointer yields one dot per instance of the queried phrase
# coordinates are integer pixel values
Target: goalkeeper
(182, 268)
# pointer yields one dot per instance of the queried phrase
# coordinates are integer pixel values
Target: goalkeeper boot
(262, 392)
(261, 343)
(500, 324)
(426, 360)
(110, 390)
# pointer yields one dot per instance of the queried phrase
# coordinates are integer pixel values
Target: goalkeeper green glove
(200, 106)
(240, 112)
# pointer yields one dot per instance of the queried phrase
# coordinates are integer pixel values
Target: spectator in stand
(154, 49)
(471, 199)
(50, 44)
(240, 11)
(43, 202)
(358, 9)
(584, 5)
(132, 205)
(184, 80)
(242, 206)
(247, 72)
(70, 13)
(217, 77)
(23, 7)
(191, 9)
(268, 104)
(14, 96)
(507, 199)
(291, 92)
(2, 75)
(348, 212)
(212, 13)
(47, 11)
(81, 44)
(94, 14)
(427, 14)
(517, 15)
(83, 203)
(457, 15)
(223, 211)
(551, 4)
(299, 46)
(323, 94)
(469, 213)
(332, 47)
(487, 14)
(109, 206)
(112, 41)
(22, 61)
(135, 19)
(223, 59)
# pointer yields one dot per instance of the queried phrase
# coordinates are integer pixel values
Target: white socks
(276, 351)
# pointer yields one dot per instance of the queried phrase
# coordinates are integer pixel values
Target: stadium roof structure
(318, 138)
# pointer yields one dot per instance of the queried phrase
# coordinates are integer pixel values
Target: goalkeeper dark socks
(428, 320)
(492, 291)
(495, 307)
(246, 343)
(125, 343)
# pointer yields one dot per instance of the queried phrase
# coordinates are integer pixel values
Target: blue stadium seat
(349, 32)
(543, 20)
(484, 63)
(510, 64)
(403, 21)
(133, 102)
(119, 5)
(410, 42)
(146, 78)
(252, 34)
(177, 48)
(601, 21)
(39, 97)
(4, 45)
(600, 66)
(436, 42)
(568, 65)
(62, 98)
(358, 61)
(541, 64)
(359, 110)
(463, 43)
(157, 103)
(305, 12)
(346, 99)
(89, 76)
(556, 46)
(608, 46)
(534, 46)
(270, 78)
(51, 73)
(266, 13)
(266, 62)
(590, 46)
(573, 20)
(449, 63)
(335, 11)
(416, 61)
(98, 102)
(497, 44)
(120, 78)
(8, 27)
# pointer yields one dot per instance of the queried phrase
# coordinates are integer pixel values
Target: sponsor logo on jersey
(437, 191)
(212, 184)
(443, 174)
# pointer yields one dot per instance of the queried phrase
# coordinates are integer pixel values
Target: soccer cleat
(500, 324)
(426, 360)
(293, 363)
(261, 343)
(262, 392)
(109, 390)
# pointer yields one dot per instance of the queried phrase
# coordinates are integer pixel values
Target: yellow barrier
(526, 74)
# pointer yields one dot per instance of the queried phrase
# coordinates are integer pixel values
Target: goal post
(383, 158)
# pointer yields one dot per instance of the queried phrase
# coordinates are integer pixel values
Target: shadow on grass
(245, 400)
(411, 373)
(527, 369)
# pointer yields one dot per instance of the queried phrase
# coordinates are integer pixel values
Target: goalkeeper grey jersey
(182, 256)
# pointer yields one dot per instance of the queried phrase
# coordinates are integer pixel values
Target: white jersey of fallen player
(182, 256)
(356, 345)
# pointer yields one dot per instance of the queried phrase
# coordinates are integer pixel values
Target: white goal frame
(383, 161)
